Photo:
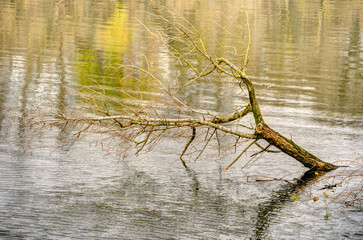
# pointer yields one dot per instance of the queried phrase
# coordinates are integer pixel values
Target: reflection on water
(306, 60)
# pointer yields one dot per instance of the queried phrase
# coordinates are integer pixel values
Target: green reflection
(97, 64)
(306, 52)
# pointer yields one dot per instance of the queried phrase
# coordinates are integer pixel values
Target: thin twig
(240, 155)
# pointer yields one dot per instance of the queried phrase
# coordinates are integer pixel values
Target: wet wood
(292, 149)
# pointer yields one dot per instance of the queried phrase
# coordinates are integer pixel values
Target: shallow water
(306, 60)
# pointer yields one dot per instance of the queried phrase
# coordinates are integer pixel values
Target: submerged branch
(239, 156)
(187, 146)
(193, 45)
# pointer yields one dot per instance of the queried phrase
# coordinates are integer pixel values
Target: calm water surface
(306, 60)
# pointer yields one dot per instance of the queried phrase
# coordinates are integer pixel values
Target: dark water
(306, 60)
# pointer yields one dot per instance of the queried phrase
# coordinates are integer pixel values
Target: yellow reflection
(97, 61)
(115, 35)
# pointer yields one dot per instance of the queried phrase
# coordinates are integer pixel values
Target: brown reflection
(305, 51)
(349, 89)
(278, 200)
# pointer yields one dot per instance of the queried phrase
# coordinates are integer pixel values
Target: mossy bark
(263, 131)
(292, 149)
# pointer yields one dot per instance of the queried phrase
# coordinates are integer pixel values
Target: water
(305, 59)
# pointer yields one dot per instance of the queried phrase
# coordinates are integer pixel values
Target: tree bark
(217, 65)
(290, 148)
(287, 146)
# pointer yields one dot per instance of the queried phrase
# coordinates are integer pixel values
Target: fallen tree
(145, 124)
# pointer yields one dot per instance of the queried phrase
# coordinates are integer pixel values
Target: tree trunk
(290, 148)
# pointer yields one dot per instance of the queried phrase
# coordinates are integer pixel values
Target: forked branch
(192, 117)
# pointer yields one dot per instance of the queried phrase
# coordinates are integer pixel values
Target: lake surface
(306, 60)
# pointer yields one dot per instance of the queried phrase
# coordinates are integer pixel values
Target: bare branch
(249, 44)
(187, 145)
(239, 156)
(235, 116)
(205, 145)
(154, 122)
